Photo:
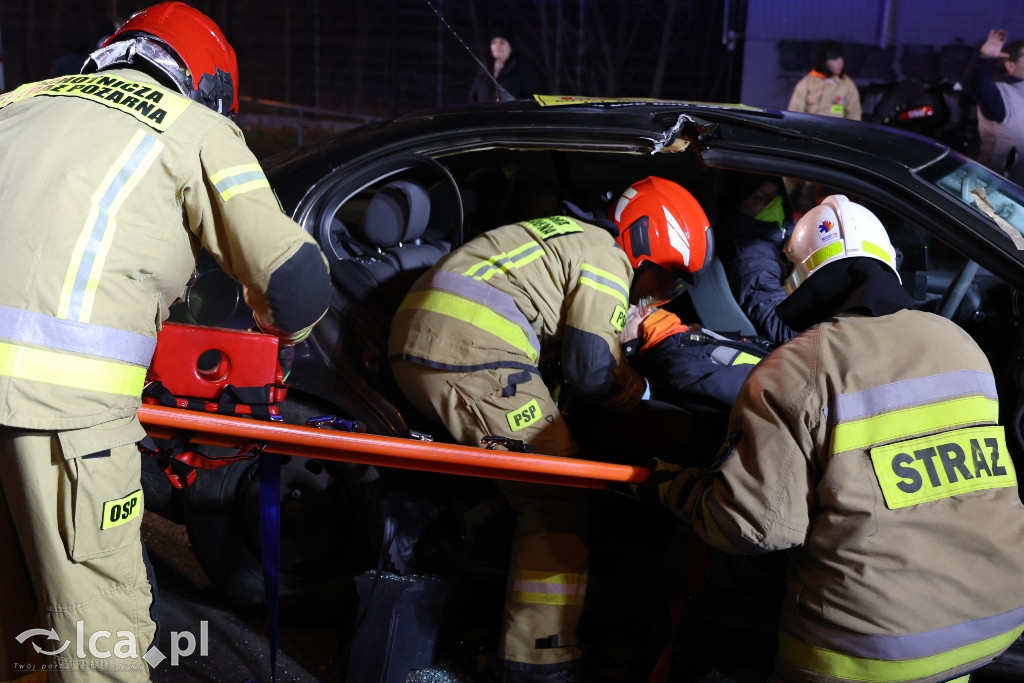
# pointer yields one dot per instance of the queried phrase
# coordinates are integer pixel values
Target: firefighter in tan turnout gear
(465, 346)
(112, 181)
(869, 445)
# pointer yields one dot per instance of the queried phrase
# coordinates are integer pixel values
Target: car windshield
(991, 195)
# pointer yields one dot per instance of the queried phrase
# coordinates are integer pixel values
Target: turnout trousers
(548, 569)
(77, 521)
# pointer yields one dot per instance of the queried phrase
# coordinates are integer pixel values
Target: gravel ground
(237, 647)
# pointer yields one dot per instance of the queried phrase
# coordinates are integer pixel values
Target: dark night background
(386, 57)
(340, 62)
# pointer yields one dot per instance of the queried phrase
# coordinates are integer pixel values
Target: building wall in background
(905, 27)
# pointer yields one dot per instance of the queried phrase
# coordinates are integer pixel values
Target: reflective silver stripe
(604, 281)
(69, 335)
(93, 245)
(724, 355)
(485, 295)
(911, 646)
(912, 392)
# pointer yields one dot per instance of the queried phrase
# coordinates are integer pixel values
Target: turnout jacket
(508, 295)
(870, 447)
(111, 185)
(817, 93)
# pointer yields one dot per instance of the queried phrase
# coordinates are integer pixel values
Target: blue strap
(270, 537)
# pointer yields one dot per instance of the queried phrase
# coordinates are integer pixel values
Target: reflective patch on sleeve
(237, 180)
(618, 320)
(943, 465)
(522, 418)
(118, 512)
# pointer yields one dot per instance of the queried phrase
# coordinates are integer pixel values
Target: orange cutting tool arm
(384, 451)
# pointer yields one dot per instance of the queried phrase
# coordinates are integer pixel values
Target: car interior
(382, 236)
(382, 225)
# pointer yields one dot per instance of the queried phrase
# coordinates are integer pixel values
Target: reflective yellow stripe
(744, 358)
(849, 667)
(909, 422)
(592, 277)
(473, 313)
(824, 254)
(75, 372)
(505, 262)
(877, 250)
(546, 588)
(83, 276)
(237, 180)
(529, 598)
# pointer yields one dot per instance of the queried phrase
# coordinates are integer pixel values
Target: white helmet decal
(677, 236)
(624, 200)
(828, 231)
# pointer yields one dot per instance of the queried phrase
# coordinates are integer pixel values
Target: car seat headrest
(397, 213)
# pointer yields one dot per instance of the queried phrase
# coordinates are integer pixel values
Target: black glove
(653, 490)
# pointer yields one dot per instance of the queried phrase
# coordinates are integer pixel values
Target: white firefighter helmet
(836, 229)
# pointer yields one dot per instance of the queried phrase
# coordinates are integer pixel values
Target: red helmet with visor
(666, 236)
(182, 43)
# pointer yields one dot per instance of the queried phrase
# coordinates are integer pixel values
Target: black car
(386, 200)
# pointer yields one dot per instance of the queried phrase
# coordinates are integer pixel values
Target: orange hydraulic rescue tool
(242, 359)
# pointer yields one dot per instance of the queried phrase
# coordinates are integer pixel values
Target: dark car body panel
(960, 229)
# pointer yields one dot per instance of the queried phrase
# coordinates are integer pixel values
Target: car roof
(879, 163)
(631, 119)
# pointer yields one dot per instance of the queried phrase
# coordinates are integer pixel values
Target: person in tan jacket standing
(113, 180)
(827, 89)
(868, 446)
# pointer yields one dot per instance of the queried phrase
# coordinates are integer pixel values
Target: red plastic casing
(239, 358)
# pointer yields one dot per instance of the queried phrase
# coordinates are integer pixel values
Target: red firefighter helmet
(182, 43)
(661, 224)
